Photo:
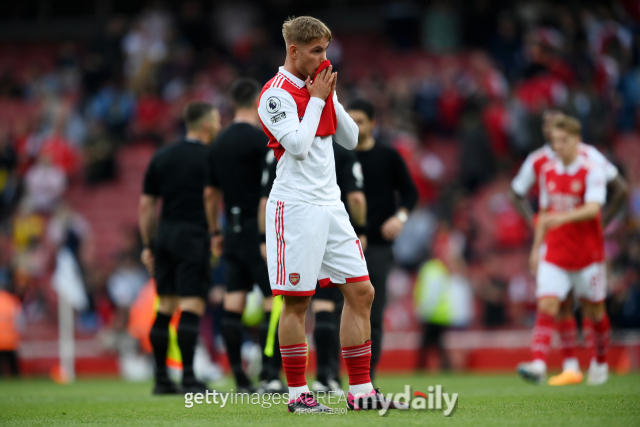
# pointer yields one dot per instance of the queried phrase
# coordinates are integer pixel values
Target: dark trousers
(10, 358)
(432, 337)
(379, 263)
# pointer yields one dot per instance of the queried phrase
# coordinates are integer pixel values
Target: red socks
(294, 361)
(568, 336)
(542, 332)
(601, 335)
(358, 361)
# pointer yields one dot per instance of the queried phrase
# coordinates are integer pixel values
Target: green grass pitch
(483, 401)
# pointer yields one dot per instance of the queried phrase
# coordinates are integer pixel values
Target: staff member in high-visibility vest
(10, 309)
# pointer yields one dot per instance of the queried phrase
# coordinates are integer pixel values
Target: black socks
(188, 331)
(270, 365)
(159, 337)
(232, 332)
(324, 335)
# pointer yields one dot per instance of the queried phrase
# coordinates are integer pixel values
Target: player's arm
(212, 196)
(147, 220)
(523, 206)
(147, 223)
(540, 231)
(279, 113)
(268, 176)
(403, 184)
(619, 192)
(346, 129)
(520, 186)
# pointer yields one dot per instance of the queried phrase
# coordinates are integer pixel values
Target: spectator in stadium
(45, 185)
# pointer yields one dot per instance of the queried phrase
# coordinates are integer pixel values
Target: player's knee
(296, 305)
(549, 306)
(594, 311)
(364, 296)
(193, 304)
(167, 304)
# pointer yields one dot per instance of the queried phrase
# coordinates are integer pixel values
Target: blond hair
(304, 29)
(568, 124)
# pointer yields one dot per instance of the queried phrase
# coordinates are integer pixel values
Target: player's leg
(296, 235)
(325, 332)
(232, 329)
(190, 248)
(344, 265)
(592, 293)
(271, 365)
(567, 329)
(552, 286)
(168, 302)
(379, 263)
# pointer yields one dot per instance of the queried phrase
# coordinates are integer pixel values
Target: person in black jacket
(390, 194)
(177, 252)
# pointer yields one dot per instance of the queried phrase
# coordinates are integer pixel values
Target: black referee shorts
(182, 255)
(244, 264)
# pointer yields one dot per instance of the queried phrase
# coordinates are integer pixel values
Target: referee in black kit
(327, 303)
(235, 162)
(178, 257)
(391, 194)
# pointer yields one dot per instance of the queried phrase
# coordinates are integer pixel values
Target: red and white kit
(309, 236)
(574, 252)
(529, 173)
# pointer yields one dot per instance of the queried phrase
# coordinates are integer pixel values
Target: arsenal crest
(294, 278)
(576, 186)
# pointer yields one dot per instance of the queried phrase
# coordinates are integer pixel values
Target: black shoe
(193, 386)
(246, 389)
(307, 403)
(165, 387)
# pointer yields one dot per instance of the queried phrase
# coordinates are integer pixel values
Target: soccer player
(234, 168)
(522, 184)
(386, 177)
(177, 252)
(308, 234)
(327, 302)
(572, 193)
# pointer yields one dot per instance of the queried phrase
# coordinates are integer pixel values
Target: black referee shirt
(235, 161)
(348, 172)
(388, 187)
(176, 174)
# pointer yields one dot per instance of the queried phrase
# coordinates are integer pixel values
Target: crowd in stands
(460, 98)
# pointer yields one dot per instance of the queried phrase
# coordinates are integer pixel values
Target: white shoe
(598, 373)
(272, 387)
(332, 385)
(318, 386)
(535, 372)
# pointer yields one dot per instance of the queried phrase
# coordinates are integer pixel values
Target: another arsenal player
(308, 234)
(572, 193)
(527, 180)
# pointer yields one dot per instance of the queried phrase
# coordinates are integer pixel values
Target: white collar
(292, 78)
(570, 169)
